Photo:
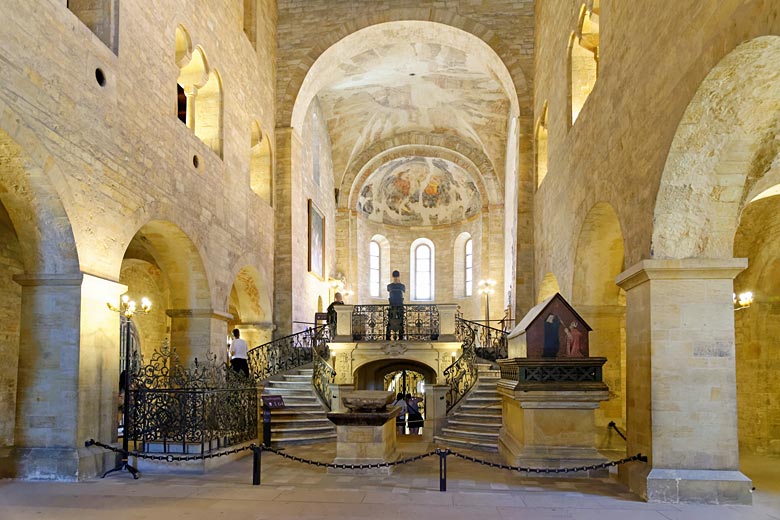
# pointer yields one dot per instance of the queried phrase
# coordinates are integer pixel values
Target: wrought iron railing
(323, 375)
(462, 374)
(490, 343)
(286, 353)
(386, 322)
(176, 409)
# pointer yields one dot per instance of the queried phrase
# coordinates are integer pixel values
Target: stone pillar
(435, 410)
(343, 323)
(197, 333)
(283, 225)
(45, 434)
(681, 381)
(606, 340)
(98, 372)
(447, 321)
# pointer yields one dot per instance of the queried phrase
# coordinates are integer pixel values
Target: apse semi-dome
(419, 191)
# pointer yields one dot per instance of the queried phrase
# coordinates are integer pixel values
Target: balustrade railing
(386, 322)
(285, 353)
(323, 374)
(489, 343)
(462, 374)
(554, 373)
(175, 409)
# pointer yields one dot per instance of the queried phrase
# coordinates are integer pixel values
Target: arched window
(374, 263)
(469, 267)
(541, 146)
(260, 165)
(583, 58)
(422, 261)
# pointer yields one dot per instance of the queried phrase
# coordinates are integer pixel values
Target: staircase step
(470, 433)
(457, 442)
(300, 432)
(484, 425)
(304, 439)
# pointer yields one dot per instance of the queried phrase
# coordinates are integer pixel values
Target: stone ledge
(698, 486)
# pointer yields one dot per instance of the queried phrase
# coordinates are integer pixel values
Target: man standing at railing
(338, 299)
(395, 315)
(238, 353)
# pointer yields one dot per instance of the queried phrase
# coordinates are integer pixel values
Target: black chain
(348, 466)
(602, 465)
(168, 457)
(446, 451)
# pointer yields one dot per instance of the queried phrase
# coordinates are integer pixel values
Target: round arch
(724, 145)
(370, 374)
(599, 258)
(307, 78)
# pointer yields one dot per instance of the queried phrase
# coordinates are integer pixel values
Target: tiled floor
(291, 490)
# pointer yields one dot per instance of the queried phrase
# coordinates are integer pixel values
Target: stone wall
(10, 298)
(616, 150)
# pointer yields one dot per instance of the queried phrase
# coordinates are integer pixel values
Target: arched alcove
(261, 165)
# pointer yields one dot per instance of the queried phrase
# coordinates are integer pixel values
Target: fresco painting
(420, 191)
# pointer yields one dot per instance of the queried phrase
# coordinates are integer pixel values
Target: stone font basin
(367, 400)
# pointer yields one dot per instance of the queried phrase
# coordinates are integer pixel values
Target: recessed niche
(195, 161)
(100, 77)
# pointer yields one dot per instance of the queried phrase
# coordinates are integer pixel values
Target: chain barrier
(442, 453)
(349, 466)
(168, 457)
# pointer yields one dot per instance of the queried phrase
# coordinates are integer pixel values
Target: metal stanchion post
(443, 469)
(256, 461)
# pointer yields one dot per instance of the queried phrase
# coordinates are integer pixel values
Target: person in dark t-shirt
(395, 315)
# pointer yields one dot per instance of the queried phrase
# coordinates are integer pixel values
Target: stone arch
(756, 328)
(369, 374)
(724, 145)
(35, 209)
(251, 306)
(548, 287)
(296, 84)
(453, 149)
(599, 258)
(583, 54)
(201, 85)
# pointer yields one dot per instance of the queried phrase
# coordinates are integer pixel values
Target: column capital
(680, 269)
(63, 279)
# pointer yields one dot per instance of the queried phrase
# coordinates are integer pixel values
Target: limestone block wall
(146, 280)
(310, 292)
(111, 155)
(445, 260)
(10, 300)
(616, 150)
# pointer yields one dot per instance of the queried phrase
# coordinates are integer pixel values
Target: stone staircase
(475, 423)
(303, 419)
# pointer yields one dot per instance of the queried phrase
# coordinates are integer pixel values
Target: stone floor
(291, 490)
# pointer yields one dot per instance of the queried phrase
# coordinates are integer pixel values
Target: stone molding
(199, 313)
(680, 269)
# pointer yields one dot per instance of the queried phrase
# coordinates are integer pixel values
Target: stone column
(197, 333)
(343, 323)
(283, 225)
(681, 381)
(45, 434)
(447, 321)
(605, 340)
(435, 410)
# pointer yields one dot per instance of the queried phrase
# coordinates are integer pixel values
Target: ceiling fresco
(419, 191)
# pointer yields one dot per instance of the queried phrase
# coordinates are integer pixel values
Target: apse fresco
(419, 191)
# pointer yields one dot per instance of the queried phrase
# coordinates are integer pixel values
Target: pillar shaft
(681, 380)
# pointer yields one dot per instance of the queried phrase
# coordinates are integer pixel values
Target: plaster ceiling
(411, 77)
(419, 191)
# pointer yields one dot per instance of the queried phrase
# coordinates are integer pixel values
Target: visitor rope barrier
(441, 452)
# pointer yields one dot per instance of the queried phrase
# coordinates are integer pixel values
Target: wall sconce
(743, 300)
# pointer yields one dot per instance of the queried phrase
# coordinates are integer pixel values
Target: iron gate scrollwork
(181, 409)
(391, 322)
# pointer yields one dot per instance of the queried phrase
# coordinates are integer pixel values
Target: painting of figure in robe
(552, 342)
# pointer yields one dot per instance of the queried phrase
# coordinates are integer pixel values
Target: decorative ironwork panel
(490, 343)
(558, 374)
(283, 354)
(177, 408)
(462, 374)
(389, 322)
